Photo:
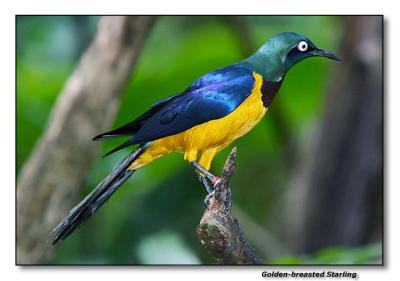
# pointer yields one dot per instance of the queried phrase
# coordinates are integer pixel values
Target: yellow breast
(212, 135)
(227, 129)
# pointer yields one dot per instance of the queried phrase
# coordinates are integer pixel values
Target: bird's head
(281, 52)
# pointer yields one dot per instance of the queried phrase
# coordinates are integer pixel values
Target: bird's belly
(212, 135)
(219, 132)
(222, 131)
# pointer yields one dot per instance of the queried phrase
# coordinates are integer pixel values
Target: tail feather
(122, 146)
(132, 127)
(126, 130)
(92, 202)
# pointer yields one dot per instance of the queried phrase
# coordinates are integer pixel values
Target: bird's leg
(203, 176)
(210, 192)
(200, 169)
(203, 180)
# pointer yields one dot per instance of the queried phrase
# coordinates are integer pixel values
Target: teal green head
(274, 59)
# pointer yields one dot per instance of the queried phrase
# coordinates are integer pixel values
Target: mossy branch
(219, 230)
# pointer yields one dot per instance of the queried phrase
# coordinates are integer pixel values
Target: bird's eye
(302, 46)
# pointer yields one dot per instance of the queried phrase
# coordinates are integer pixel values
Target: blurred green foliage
(368, 254)
(161, 205)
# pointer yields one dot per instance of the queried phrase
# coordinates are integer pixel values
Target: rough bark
(219, 231)
(56, 171)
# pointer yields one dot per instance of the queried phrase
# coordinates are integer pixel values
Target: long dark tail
(92, 202)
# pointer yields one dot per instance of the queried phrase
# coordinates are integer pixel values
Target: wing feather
(211, 97)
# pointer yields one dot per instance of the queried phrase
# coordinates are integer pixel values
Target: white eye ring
(302, 46)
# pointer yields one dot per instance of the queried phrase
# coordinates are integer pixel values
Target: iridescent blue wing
(211, 97)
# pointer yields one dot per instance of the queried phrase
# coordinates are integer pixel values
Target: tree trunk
(56, 171)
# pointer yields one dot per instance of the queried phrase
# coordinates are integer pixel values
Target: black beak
(325, 54)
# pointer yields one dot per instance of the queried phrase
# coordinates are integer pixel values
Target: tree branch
(56, 171)
(219, 231)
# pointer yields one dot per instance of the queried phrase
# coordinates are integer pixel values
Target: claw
(229, 209)
(204, 174)
(227, 213)
(207, 199)
(216, 181)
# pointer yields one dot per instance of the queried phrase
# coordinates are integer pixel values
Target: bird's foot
(203, 171)
(207, 199)
(226, 201)
(228, 204)
(204, 174)
(215, 182)
(210, 192)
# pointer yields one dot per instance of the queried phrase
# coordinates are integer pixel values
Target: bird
(214, 111)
